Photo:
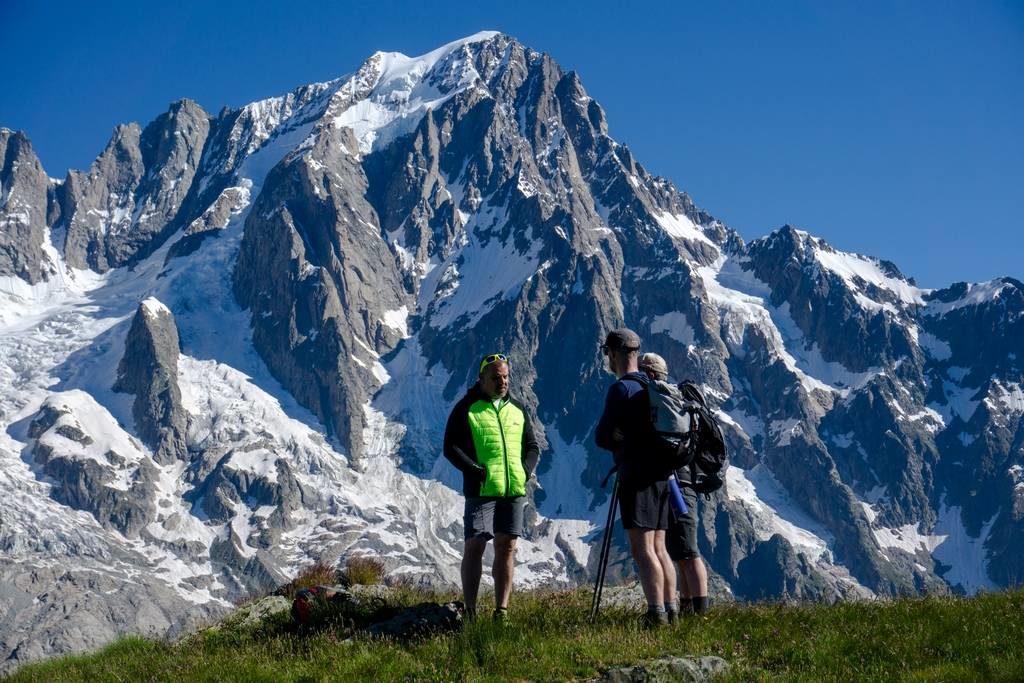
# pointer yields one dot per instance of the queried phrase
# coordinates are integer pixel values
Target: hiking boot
(700, 605)
(652, 620)
(673, 616)
(501, 615)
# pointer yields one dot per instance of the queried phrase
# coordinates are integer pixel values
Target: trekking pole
(606, 544)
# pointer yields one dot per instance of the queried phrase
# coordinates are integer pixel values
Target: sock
(700, 604)
(655, 609)
(671, 606)
(686, 605)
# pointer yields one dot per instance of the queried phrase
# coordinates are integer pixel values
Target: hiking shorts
(488, 516)
(681, 538)
(644, 507)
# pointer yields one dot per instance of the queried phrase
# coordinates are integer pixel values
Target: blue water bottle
(676, 496)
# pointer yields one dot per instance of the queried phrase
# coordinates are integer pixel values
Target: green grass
(549, 638)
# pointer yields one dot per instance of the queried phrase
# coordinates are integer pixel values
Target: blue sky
(889, 128)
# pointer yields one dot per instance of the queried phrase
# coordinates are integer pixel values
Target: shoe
(673, 616)
(501, 615)
(652, 620)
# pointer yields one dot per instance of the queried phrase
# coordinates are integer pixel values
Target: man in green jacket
(490, 440)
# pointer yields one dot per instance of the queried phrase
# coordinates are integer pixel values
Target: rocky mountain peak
(25, 196)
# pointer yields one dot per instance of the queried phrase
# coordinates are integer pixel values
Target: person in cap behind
(489, 438)
(681, 537)
(624, 429)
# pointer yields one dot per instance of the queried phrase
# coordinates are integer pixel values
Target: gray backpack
(675, 422)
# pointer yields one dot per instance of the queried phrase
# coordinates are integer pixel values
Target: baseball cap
(654, 363)
(622, 338)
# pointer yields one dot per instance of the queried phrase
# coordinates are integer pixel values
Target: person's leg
(503, 568)
(478, 522)
(668, 570)
(685, 591)
(696, 579)
(641, 545)
(472, 561)
(693, 578)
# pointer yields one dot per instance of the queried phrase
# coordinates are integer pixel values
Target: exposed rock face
(229, 203)
(126, 205)
(149, 369)
(24, 199)
(319, 280)
(53, 610)
(95, 468)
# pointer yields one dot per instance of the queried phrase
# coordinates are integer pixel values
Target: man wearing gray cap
(624, 429)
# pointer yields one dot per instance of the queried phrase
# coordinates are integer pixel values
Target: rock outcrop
(127, 204)
(25, 195)
(149, 370)
(94, 465)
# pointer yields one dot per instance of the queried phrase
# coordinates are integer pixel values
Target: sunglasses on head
(493, 358)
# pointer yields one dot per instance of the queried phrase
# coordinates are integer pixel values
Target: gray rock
(318, 279)
(125, 206)
(420, 620)
(116, 488)
(669, 669)
(255, 613)
(149, 370)
(54, 611)
(214, 219)
(24, 201)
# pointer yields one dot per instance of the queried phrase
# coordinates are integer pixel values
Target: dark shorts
(488, 516)
(681, 539)
(646, 507)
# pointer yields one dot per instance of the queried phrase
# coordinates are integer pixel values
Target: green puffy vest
(498, 439)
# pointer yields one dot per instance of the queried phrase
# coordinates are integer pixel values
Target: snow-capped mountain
(230, 346)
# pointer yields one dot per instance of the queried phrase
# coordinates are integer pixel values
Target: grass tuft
(317, 574)
(365, 571)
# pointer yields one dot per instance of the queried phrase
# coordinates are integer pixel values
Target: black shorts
(646, 507)
(487, 516)
(681, 539)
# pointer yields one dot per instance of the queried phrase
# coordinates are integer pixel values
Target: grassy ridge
(549, 638)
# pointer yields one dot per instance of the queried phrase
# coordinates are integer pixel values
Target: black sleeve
(531, 451)
(457, 440)
(610, 418)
